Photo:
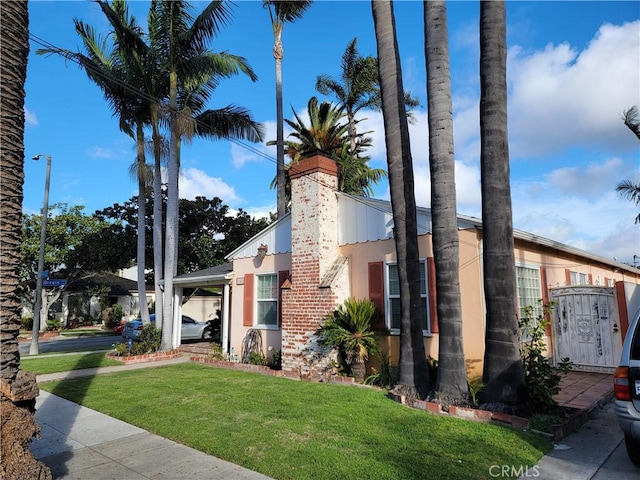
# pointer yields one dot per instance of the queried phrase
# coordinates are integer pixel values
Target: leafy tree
(452, 383)
(208, 231)
(413, 376)
(281, 12)
(75, 243)
(503, 372)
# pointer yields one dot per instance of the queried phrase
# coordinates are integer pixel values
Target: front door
(586, 327)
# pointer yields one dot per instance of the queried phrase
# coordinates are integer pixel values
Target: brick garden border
(147, 357)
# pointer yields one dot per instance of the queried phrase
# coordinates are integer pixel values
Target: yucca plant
(348, 330)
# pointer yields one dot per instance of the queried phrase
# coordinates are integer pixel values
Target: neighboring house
(284, 280)
(75, 304)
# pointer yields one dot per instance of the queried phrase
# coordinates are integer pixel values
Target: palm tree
(118, 68)
(631, 191)
(632, 121)
(281, 12)
(452, 377)
(503, 372)
(326, 133)
(19, 388)
(357, 88)
(413, 375)
(348, 329)
(181, 41)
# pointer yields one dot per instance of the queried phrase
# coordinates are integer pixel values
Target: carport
(218, 276)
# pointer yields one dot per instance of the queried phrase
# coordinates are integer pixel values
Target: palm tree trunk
(171, 230)
(452, 383)
(281, 179)
(157, 219)
(142, 226)
(18, 389)
(413, 373)
(503, 372)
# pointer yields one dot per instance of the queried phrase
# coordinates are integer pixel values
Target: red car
(119, 328)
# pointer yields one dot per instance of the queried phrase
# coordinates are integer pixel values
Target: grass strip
(301, 430)
(63, 363)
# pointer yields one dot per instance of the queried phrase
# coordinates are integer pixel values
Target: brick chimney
(311, 293)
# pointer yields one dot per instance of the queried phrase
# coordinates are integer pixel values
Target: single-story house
(284, 280)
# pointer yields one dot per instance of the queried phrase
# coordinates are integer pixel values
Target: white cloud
(257, 152)
(561, 97)
(194, 183)
(590, 180)
(30, 118)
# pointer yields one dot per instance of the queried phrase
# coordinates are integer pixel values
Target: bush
(348, 329)
(387, 376)
(53, 325)
(26, 323)
(148, 340)
(541, 377)
(257, 358)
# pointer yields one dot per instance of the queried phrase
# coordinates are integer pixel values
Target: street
(68, 344)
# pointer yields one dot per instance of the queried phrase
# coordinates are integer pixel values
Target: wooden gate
(586, 327)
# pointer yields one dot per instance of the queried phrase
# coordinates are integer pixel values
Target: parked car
(191, 329)
(626, 386)
(119, 328)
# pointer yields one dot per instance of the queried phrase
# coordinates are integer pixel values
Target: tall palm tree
(118, 67)
(413, 374)
(503, 371)
(452, 376)
(19, 388)
(281, 12)
(181, 41)
(357, 88)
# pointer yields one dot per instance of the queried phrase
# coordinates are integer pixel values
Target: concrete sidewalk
(595, 452)
(80, 443)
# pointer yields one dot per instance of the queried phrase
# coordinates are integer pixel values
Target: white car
(626, 387)
(191, 329)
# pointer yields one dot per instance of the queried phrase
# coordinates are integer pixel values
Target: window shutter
(432, 294)
(567, 276)
(590, 276)
(376, 292)
(606, 282)
(283, 276)
(247, 307)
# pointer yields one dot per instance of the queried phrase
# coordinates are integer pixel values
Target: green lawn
(300, 430)
(63, 363)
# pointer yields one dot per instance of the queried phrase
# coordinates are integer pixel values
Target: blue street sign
(54, 282)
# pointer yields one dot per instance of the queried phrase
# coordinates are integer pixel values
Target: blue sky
(573, 68)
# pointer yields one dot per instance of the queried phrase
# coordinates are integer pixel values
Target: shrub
(276, 358)
(26, 323)
(542, 378)
(216, 352)
(148, 341)
(121, 349)
(386, 377)
(53, 325)
(257, 358)
(348, 329)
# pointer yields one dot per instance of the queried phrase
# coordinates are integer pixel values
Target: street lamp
(33, 350)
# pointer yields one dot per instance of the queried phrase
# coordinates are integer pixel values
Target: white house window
(267, 300)
(529, 292)
(578, 278)
(393, 297)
